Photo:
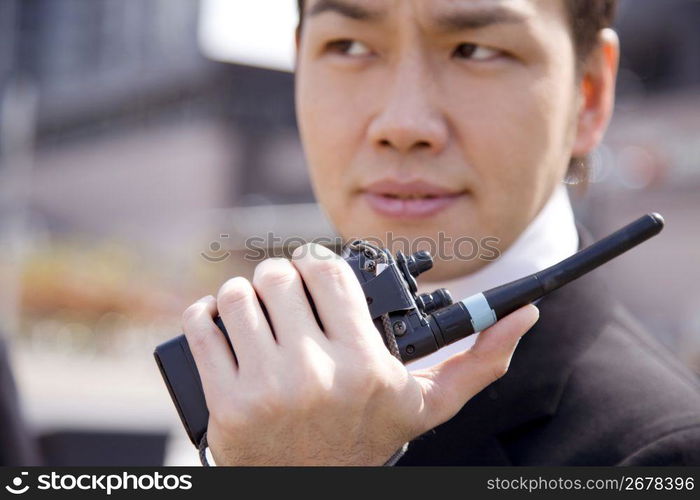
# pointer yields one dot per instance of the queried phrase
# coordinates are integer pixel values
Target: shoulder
(681, 446)
(631, 395)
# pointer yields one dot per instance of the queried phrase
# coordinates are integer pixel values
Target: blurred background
(142, 141)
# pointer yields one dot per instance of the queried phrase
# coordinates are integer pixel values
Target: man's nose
(409, 119)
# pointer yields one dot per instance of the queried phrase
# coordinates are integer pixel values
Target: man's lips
(409, 199)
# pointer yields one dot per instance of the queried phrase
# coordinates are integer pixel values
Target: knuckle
(492, 365)
(331, 268)
(307, 252)
(235, 293)
(499, 368)
(197, 338)
(191, 315)
(274, 273)
(197, 331)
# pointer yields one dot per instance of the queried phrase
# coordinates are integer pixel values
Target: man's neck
(549, 238)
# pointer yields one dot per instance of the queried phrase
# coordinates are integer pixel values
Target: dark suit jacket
(586, 386)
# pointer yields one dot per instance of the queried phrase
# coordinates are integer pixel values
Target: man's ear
(597, 89)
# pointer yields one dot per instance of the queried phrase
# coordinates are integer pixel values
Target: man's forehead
(383, 6)
(460, 13)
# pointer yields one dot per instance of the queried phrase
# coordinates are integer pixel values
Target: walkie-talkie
(413, 325)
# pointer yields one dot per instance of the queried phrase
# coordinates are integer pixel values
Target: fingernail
(534, 314)
(536, 311)
(298, 251)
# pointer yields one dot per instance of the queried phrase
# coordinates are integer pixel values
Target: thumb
(450, 384)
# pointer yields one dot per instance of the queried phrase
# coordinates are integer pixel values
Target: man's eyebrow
(475, 19)
(353, 11)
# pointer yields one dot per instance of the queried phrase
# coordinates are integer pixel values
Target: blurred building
(127, 100)
(103, 62)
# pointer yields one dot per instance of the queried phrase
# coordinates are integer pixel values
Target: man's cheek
(518, 149)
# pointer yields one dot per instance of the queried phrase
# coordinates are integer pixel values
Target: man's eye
(351, 48)
(476, 52)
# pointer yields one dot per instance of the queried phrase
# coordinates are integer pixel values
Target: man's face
(422, 117)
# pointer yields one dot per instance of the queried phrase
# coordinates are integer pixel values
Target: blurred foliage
(94, 296)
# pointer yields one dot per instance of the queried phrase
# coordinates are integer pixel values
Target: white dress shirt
(549, 238)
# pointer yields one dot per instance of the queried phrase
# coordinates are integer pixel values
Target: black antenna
(482, 310)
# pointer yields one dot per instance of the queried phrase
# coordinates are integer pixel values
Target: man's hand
(296, 395)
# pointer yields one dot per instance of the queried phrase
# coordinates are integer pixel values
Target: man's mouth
(414, 199)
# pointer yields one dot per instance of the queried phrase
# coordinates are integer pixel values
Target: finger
(338, 296)
(245, 323)
(281, 289)
(450, 384)
(210, 350)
